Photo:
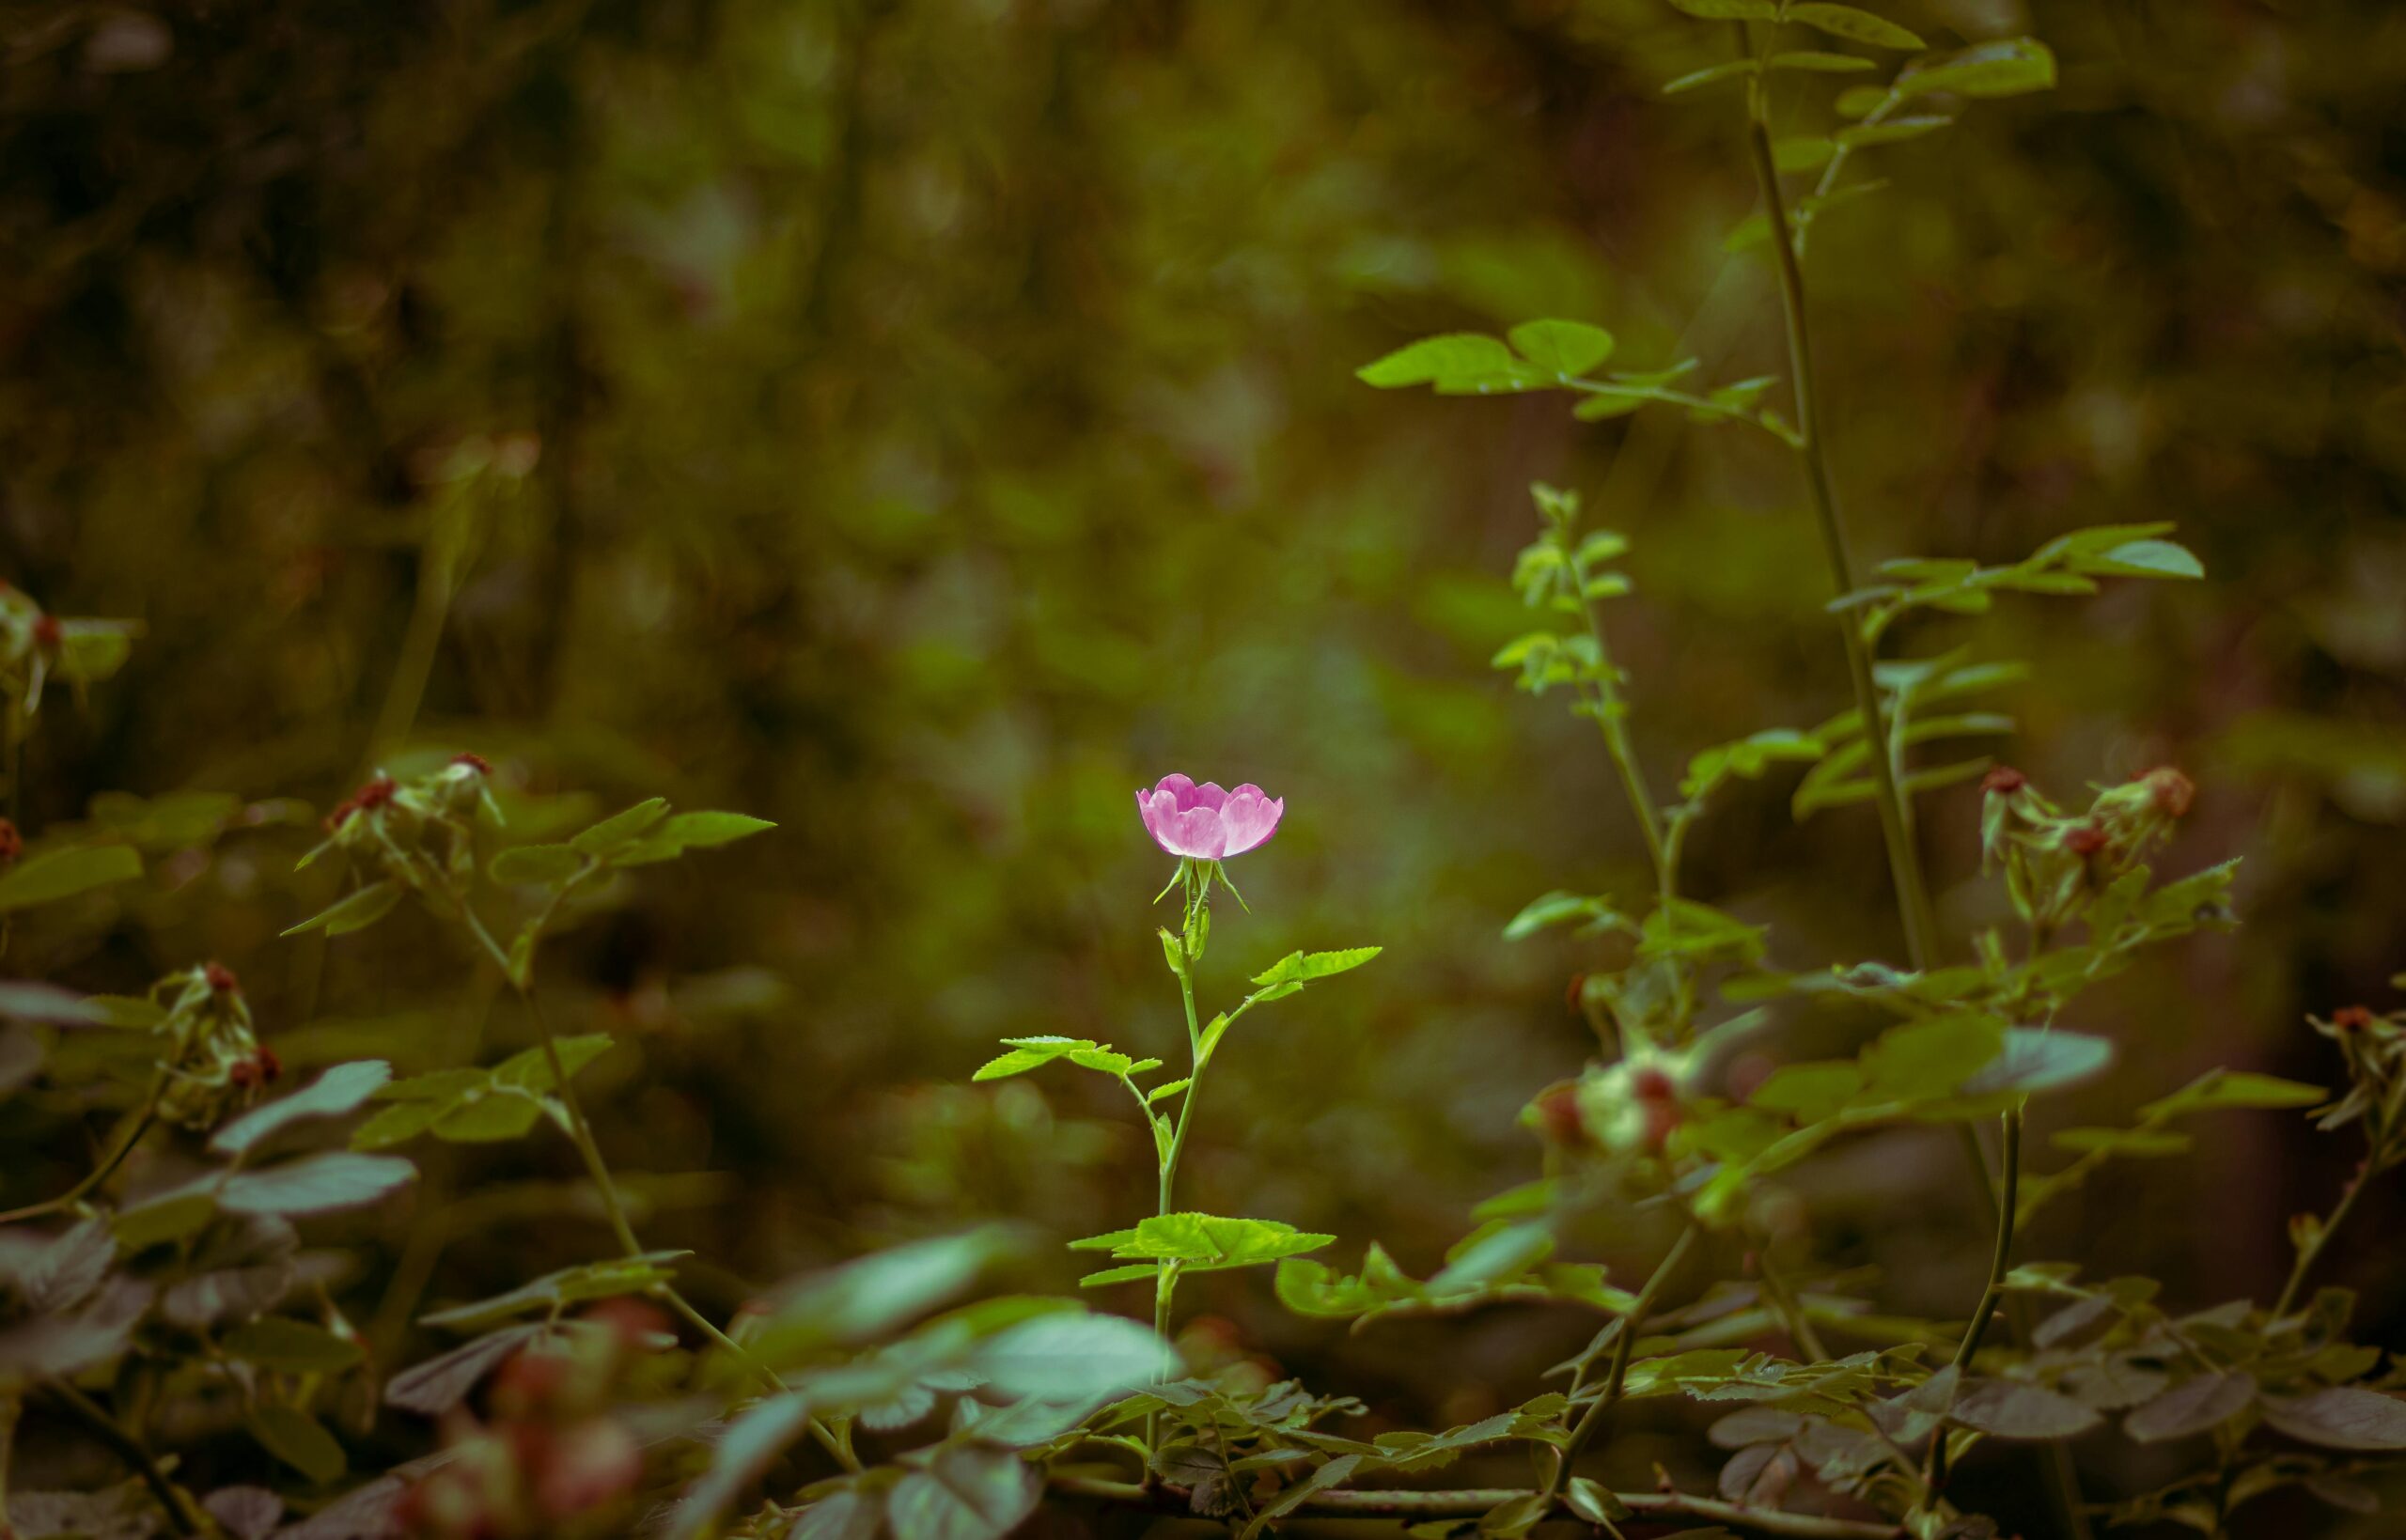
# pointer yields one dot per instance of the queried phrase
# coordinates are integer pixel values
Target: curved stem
(1896, 824)
(1630, 1323)
(134, 1125)
(2378, 1141)
(1166, 1275)
(580, 1132)
(2000, 1263)
(128, 1448)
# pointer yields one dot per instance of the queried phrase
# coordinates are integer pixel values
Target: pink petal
(1191, 831)
(1250, 818)
(1182, 790)
(1207, 795)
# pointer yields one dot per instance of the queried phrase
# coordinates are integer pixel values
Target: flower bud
(12, 844)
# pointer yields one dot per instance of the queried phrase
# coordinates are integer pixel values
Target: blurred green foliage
(922, 422)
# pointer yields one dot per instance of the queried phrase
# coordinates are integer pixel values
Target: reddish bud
(2351, 1018)
(257, 1070)
(12, 844)
(476, 762)
(2004, 781)
(1651, 1084)
(1558, 1116)
(48, 633)
(221, 979)
(375, 794)
(2087, 840)
(1573, 989)
(2171, 791)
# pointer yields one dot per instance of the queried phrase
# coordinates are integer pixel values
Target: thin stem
(2379, 1138)
(1166, 1275)
(131, 1129)
(130, 1449)
(1999, 1265)
(1630, 1323)
(1369, 1503)
(581, 1132)
(1904, 864)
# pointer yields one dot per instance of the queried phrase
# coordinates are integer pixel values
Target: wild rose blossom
(1204, 823)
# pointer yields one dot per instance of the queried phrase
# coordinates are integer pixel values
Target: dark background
(942, 422)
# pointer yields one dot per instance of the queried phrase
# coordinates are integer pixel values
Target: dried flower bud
(2087, 840)
(12, 844)
(476, 762)
(2171, 791)
(48, 633)
(2351, 1018)
(2004, 781)
(221, 979)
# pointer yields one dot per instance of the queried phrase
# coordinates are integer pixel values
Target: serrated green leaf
(291, 1346)
(1563, 347)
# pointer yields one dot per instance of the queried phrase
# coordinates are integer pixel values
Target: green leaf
(1730, 10)
(1555, 908)
(2008, 66)
(531, 1068)
(1502, 1251)
(442, 1382)
(1802, 153)
(1693, 80)
(965, 1492)
(620, 828)
(1207, 1243)
(1593, 1500)
(2191, 1406)
(1304, 967)
(1129, 1274)
(1895, 130)
(1565, 347)
(1926, 1060)
(708, 830)
(1855, 25)
(342, 1089)
(487, 1117)
(2225, 1088)
(317, 1184)
(1067, 1355)
(300, 1441)
(2034, 1060)
(2134, 1143)
(2009, 1409)
(1334, 1473)
(852, 1513)
(54, 875)
(536, 865)
(1808, 1092)
(1826, 64)
(1168, 1089)
(751, 1442)
(2143, 559)
(1028, 1054)
(2340, 1417)
(356, 911)
(289, 1346)
(1457, 362)
(556, 1290)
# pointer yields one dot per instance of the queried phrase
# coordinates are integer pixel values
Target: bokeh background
(922, 422)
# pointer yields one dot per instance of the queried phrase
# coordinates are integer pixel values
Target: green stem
(1896, 827)
(1165, 1276)
(136, 1125)
(2378, 1139)
(2000, 1263)
(580, 1132)
(1630, 1323)
(1349, 1502)
(130, 1449)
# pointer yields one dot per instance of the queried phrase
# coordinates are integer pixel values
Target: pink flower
(1205, 822)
